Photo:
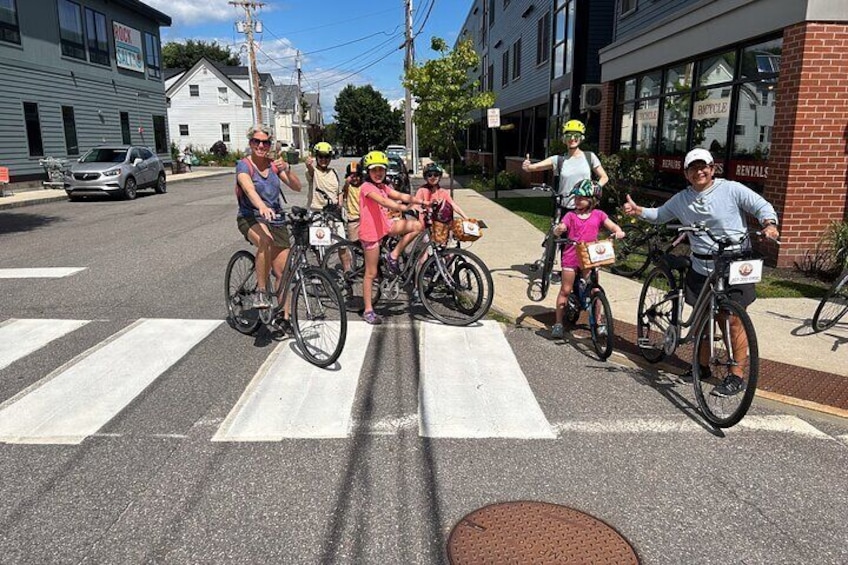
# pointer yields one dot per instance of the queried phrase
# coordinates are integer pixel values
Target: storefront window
(647, 119)
(678, 78)
(762, 60)
(674, 125)
(649, 85)
(754, 120)
(718, 69)
(711, 117)
(626, 132)
(627, 90)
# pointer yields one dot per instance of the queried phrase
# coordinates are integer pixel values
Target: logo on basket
(746, 269)
(601, 249)
(319, 233)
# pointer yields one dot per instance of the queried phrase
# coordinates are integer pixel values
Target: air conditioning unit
(591, 97)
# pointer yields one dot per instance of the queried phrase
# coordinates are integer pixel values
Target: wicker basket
(595, 253)
(440, 232)
(466, 230)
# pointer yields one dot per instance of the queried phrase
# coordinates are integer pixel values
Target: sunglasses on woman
(433, 175)
(265, 142)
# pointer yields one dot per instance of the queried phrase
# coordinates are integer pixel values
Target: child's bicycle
(538, 290)
(589, 295)
(318, 316)
(833, 305)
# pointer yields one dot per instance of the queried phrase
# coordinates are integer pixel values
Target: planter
(177, 167)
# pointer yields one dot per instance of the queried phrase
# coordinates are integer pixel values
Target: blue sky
(342, 41)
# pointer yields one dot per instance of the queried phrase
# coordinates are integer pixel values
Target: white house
(289, 128)
(212, 102)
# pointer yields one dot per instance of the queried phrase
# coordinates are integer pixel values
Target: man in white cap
(721, 205)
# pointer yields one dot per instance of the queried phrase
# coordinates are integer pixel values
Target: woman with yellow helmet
(375, 197)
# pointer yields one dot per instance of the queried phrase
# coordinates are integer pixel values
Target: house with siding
(211, 102)
(77, 74)
(762, 84)
(536, 57)
(289, 124)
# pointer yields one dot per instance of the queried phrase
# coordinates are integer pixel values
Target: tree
(446, 95)
(364, 119)
(185, 55)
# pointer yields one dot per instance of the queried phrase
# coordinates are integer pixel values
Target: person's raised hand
(631, 208)
(525, 165)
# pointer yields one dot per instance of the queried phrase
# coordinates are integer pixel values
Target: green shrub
(837, 238)
(507, 181)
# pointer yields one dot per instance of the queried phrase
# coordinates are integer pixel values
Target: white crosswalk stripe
(80, 398)
(19, 338)
(40, 272)
(472, 386)
(290, 398)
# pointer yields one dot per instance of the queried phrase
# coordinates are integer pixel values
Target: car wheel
(161, 185)
(130, 189)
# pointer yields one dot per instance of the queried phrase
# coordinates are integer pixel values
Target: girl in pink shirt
(431, 190)
(375, 197)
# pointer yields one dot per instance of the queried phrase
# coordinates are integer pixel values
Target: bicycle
(318, 316)
(549, 245)
(724, 399)
(589, 295)
(833, 305)
(454, 285)
(644, 244)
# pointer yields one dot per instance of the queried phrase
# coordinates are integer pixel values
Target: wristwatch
(768, 223)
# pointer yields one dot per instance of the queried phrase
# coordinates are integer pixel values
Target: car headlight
(112, 173)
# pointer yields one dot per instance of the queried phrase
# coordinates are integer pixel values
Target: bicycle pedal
(645, 343)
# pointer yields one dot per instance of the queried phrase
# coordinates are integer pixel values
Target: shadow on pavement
(16, 222)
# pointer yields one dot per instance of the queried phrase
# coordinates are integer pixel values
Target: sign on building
(711, 108)
(128, 48)
(494, 115)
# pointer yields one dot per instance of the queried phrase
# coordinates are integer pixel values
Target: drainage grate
(536, 532)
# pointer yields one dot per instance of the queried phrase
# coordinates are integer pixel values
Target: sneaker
(557, 331)
(372, 318)
(415, 299)
(392, 263)
(556, 277)
(730, 386)
(260, 300)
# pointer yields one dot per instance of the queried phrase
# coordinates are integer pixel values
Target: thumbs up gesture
(631, 208)
(525, 166)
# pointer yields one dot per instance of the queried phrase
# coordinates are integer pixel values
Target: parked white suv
(115, 169)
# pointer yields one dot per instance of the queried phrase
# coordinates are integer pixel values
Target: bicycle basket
(440, 232)
(466, 230)
(593, 254)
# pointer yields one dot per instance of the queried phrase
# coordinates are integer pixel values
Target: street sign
(494, 115)
(4, 174)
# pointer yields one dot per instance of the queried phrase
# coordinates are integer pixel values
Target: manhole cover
(536, 532)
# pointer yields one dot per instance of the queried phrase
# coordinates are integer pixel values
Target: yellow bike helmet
(375, 159)
(323, 149)
(574, 126)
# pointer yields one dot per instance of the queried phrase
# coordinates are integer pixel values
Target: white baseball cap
(697, 154)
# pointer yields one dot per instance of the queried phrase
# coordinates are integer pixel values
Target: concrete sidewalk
(797, 366)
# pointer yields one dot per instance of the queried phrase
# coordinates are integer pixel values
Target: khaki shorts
(279, 234)
(353, 229)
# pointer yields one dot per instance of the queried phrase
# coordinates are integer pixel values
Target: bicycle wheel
(633, 253)
(318, 317)
(349, 280)
(726, 393)
(601, 324)
(655, 314)
(833, 306)
(455, 287)
(548, 264)
(239, 288)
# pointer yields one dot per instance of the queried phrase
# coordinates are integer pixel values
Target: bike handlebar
(722, 241)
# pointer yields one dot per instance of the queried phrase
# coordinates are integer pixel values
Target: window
(223, 95)
(98, 41)
(9, 30)
(159, 135)
(543, 38)
(559, 42)
(183, 129)
(516, 59)
(70, 124)
(151, 55)
(193, 90)
(491, 13)
(569, 36)
(718, 69)
(70, 29)
(505, 68)
(490, 82)
(145, 153)
(126, 136)
(627, 6)
(225, 133)
(679, 78)
(33, 129)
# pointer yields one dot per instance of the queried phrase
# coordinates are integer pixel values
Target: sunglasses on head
(265, 142)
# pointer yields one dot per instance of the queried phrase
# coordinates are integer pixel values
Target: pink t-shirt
(438, 194)
(373, 220)
(579, 229)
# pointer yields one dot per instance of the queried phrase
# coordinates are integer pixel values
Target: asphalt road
(151, 486)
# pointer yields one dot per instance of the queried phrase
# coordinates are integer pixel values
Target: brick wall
(808, 165)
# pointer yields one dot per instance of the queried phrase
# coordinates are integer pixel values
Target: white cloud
(188, 12)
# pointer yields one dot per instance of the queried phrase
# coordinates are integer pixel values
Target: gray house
(76, 74)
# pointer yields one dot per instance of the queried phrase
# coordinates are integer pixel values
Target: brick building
(763, 84)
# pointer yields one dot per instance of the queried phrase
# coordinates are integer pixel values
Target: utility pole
(301, 139)
(407, 110)
(248, 26)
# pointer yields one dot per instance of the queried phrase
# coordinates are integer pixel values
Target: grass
(776, 283)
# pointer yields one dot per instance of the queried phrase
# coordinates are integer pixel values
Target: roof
(313, 99)
(241, 71)
(146, 10)
(222, 76)
(285, 97)
(171, 73)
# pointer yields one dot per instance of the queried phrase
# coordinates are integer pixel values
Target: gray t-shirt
(721, 207)
(572, 171)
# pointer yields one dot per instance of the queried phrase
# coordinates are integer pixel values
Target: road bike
(726, 389)
(589, 295)
(545, 263)
(833, 306)
(318, 318)
(644, 244)
(453, 284)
